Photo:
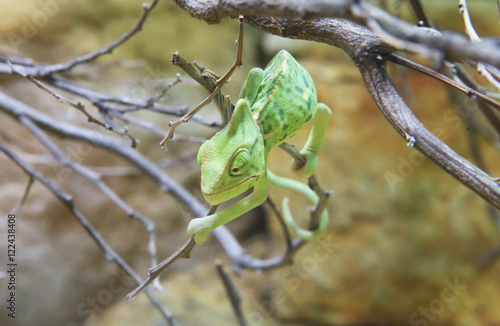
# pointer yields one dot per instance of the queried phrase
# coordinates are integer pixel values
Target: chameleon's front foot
(200, 229)
(307, 169)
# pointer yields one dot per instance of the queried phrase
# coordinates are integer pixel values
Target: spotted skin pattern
(274, 104)
(286, 100)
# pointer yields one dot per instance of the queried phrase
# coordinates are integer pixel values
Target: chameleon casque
(273, 105)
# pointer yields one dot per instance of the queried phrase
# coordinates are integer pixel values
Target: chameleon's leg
(309, 193)
(202, 226)
(314, 142)
(250, 88)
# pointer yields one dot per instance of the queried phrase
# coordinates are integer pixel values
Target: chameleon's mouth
(225, 194)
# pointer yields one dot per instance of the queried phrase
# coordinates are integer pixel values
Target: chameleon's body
(286, 85)
(273, 106)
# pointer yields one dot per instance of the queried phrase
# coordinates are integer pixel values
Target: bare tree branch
(402, 119)
(436, 75)
(51, 69)
(366, 33)
(232, 293)
(128, 104)
(97, 181)
(422, 18)
(183, 252)
(453, 46)
(232, 247)
(353, 39)
(67, 200)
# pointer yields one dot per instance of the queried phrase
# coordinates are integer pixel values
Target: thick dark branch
(345, 34)
(453, 46)
(352, 38)
(402, 119)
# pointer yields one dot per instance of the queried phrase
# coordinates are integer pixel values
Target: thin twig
(208, 81)
(232, 293)
(158, 96)
(220, 83)
(436, 75)
(25, 195)
(129, 104)
(276, 211)
(323, 197)
(51, 69)
(80, 107)
(418, 9)
(313, 182)
(97, 181)
(474, 38)
(155, 272)
(486, 109)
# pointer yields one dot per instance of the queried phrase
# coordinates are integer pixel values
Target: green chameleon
(274, 104)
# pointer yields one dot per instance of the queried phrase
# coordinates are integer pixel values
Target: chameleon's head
(233, 159)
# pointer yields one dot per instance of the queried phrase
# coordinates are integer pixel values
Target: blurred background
(405, 240)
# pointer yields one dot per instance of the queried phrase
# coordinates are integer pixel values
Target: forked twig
(154, 272)
(220, 83)
(436, 75)
(79, 106)
(96, 179)
(51, 69)
(474, 38)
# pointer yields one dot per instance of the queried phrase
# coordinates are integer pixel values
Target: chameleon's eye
(240, 163)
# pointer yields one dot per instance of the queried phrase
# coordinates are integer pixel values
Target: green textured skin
(274, 104)
(286, 100)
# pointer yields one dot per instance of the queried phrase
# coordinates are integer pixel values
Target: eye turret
(240, 163)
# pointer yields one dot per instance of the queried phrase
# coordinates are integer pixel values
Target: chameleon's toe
(307, 169)
(199, 238)
(197, 228)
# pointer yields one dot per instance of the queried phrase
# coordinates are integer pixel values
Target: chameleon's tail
(287, 215)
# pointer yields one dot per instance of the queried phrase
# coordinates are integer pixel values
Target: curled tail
(287, 215)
